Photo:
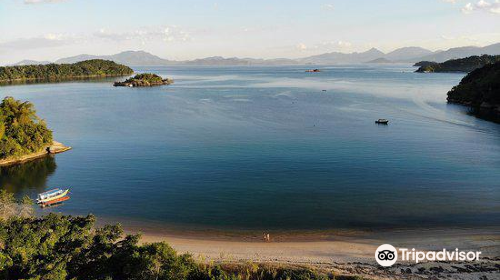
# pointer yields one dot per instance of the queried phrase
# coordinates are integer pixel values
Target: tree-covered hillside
(480, 90)
(54, 72)
(21, 131)
(56, 247)
(466, 65)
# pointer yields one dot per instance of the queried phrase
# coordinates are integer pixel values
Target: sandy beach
(346, 252)
(328, 247)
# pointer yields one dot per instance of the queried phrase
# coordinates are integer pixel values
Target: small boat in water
(382, 121)
(54, 202)
(51, 195)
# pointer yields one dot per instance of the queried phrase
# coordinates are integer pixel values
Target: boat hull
(55, 201)
(63, 194)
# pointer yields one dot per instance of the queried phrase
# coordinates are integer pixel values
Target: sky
(189, 29)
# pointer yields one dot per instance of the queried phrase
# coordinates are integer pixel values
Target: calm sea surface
(268, 148)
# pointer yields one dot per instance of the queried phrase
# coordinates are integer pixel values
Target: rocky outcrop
(55, 148)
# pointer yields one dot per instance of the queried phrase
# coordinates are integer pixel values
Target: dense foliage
(21, 131)
(424, 63)
(467, 64)
(66, 247)
(480, 89)
(145, 80)
(54, 72)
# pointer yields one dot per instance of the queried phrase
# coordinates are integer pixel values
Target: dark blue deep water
(267, 148)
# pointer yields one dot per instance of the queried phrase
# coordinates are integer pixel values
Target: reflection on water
(26, 178)
(267, 148)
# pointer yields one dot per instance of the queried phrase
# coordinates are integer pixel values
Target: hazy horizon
(186, 30)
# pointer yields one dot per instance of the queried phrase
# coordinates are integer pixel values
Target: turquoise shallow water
(267, 148)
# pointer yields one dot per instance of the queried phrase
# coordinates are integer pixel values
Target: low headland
(54, 148)
(480, 90)
(465, 65)
(95, 68)
(23, 135)
(144, 80)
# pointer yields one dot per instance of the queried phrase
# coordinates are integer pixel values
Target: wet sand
(344, 252)
(323, 247)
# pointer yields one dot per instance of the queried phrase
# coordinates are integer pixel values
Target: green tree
(21, 130)
(58, 247)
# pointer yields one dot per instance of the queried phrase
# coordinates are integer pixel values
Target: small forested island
(466, 65)
(480, 90)
(144, 80)
(23, 136)
(94, 68)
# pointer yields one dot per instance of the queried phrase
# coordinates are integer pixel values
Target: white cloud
(142, 36)
(42, 1)
(301, 47)
(343, 44)
(468, 8)
(450, 1)
(53, 36)
(145, 34)
(34, 43)
(482, 5)
(329, 7)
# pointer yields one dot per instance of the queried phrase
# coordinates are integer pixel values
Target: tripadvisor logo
(387, 255)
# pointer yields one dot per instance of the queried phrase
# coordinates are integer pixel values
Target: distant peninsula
(24, 136)
(380, 60)
(144, 80)
(94, 68)
(480, 90)
(465, 65)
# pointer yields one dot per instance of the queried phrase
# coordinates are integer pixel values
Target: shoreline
(344, 252)
(205, 232)
(54, 148)
(344, 245)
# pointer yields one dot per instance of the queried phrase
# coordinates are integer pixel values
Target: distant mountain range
(31, 62)
(462, 52)
(219, 60)
(406, 54)
(130, 58)
(343, 58)
(381, 60)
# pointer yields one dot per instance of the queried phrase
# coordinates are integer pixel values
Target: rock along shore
(55, 148)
